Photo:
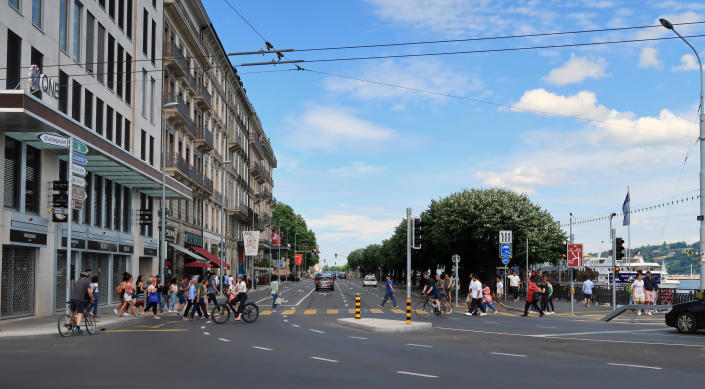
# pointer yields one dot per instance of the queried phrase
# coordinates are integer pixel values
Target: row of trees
(295, 234)
(467, 223)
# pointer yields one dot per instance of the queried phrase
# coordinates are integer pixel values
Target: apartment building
(89, 70)
(216, 146)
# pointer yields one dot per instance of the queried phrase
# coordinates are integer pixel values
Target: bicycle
(221, 313)
(67, 323)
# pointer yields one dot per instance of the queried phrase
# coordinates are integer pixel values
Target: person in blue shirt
(587, 290)
(390, 293)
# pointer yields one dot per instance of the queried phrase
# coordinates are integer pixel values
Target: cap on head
(240, 277)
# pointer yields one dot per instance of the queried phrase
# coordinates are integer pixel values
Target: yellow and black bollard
(357, 306)
(408, 311)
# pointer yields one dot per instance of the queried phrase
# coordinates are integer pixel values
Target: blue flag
(625, 210)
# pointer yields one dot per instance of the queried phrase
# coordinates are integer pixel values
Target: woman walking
(191, 296)
(128, 292)
(181, 294)
(274, 289)
(139, 296)
(487, 298)
(153, 297)
(173, 291)
(532, 293)
(94, 304)
(499, 285)
(548, 297)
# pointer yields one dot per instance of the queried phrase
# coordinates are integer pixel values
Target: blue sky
(353, 155)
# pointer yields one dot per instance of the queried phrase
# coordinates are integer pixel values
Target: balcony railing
(207, 184)
(204, 138)
(174, 56)
(218, 197)
(175, 161)
(180, 108)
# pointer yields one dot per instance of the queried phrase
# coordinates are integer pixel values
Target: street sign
(76, 204)
(78, 194)
(80, 147)
(299, 258)
(60, 185)
(79, 158)
(456, 258)
(575, 255)
(505, 250)
(79, 170)
(505, 237)
(60, 199)
(505, 260)
(78, 181)
(54, 140)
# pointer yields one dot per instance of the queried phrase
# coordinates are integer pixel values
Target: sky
(571, 127)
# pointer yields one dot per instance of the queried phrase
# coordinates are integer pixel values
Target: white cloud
(685, 17)
(356, 167)
(649, 58)
(688, 62)
(522, 179)
(577, 69)
(340, 226)
(432, 75)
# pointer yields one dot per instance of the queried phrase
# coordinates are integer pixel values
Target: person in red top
(530, 300)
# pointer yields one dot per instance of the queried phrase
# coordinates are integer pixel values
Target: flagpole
(629, 226)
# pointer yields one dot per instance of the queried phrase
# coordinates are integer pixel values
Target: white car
(369, 281)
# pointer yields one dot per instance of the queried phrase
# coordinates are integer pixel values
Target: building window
(111, 8)
(77, 15)
(13, 158)
(63, 96)
(126, 209)
(129, 19)
(128, 79)
(98, 201)
(90, 33)
(76, 101)
(88, 109)
(152, 85)
(87, 203)
(32, 180)
(37, 58)
(37, 12)
(154, 37)
(64, 25)
(127, 135)
(121, 14)
(99, 116)
(151, 150)
(108, 204)
(143, 145)
(145, 31)
(118, 129)
(109, 123)
(15, 4)
(101, 53)
(144, 93)
(118, 208)
(101, 3)
(120, 64)
(111, 62)
(14, 51)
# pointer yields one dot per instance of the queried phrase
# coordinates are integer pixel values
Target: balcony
(267, 148)
(180, 112)
(202, 97)
(236, 143)
(259, 173)
(174, 60)
(177, 167)
(203, 140)
(218, 197)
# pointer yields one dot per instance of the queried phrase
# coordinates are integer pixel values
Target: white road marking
(418, 345)
(545, 326)
(224, 340)
(320, 332)
(304, 298)
(286, 320)
(417, 374)
(597, 332)
(358, 337)
(488, 322)
(637, 366)
(325, 359)
(206, 333)
(510, 355)
(295, 325)
(262, 348)
(203, 327)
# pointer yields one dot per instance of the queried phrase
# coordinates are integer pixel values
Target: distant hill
(677, 261)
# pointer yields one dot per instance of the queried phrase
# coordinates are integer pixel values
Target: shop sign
(27, 237)
(101, 246)
(124, 248)
(41, 81)
(75, 243)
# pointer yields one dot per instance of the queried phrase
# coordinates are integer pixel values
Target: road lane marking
(545, 326)
(310, 311)
(375, 310)
(203, 327)
(150, 330)
(262, 348)
(289, 312)
(488, 322)
(304, 298)
(224, 340)
(396, 310)
(331, 311)
(416, 374)
(286, 320)
(352, 310)
(325, 359)
(637, 366)
(295, 325)
(358, 337)
(206, 333)
(509, 355)
(317, 331)
(266, 312)
(597, 332)
(417, 345)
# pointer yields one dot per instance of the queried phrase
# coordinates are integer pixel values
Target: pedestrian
(227, 281)
(587, 290)
(499, 286)
(173, 295)
(212, 290)
(153, 297)
(487, 298)
(531, 298)
(629, 288)
(544, 295)
(475, 296)
(128, 296)
(120, 291)
(181, 294)
(389, 293)
(274, 290)
(240, 295)
(94, 304)
(201, 298)
(139, 295)
(514, 285)
(442, 292)
(160, 289)
(192, 296)
(650, 290)
(450, 287)
(549, 293)
(638, 293)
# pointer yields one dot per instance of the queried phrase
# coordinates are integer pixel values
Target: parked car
(325, 281)
(687, 317)
(369, 280)
(342, 275)
(293, 277)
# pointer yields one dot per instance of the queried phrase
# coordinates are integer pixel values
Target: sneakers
(650, 313)
(380, 305)
(395, 306)
(638, 313)
(78, 330)
(483, 314)
(115, 311)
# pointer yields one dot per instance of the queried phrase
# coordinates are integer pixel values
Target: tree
(296, 233)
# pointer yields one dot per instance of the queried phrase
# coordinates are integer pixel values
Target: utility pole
(69, 210)
(613, 236)
(408, 253)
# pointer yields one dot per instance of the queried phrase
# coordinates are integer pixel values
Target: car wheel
(332, 289)
(316, 289)
(686, 323)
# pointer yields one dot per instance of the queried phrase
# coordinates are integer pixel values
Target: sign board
(78, 194)
(251, 240)
(170, 235)
(456, 258)
(76, 204)
(78, 181)
(575, 255)
(80, 147)
(299, 259)
(60, 185)
(276, 238)
(54, 140)
(505, 250)
(79, 170)
(624, 277)
(79, 158)
(40, 81)
(505, 260)
(505, 237)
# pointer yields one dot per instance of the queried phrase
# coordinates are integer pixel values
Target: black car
(687, 317)
(325, 281)
(342, 275)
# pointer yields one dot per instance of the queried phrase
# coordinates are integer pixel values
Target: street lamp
(162, 231)
(701, 118)
(222, 219)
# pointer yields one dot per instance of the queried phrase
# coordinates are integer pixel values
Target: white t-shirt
(638, 288)
(94, 287)
(243, 285)
(500, 288)
(513, 280)
(476, 289)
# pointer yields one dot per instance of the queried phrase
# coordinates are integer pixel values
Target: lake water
(689, 284)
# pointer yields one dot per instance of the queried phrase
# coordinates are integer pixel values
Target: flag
(625, 210)
(276, 238)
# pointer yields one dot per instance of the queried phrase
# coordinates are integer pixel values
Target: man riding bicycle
(430, 285)
(240, 296)
(81, 293)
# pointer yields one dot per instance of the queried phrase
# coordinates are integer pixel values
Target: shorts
(639, 299)
(77, 306)
(650, 295)
(127, 297)
(182, 298)
(435, 293)
(588, 296)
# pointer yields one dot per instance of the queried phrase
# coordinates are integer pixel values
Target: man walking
(531, 301)
(212, 290)
(514, 285)
(651, 288)
(475, 294)
(587, 291)
(389, 294)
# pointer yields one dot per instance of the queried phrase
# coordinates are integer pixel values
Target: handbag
(279, 301)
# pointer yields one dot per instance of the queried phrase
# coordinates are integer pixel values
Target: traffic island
(384, 325)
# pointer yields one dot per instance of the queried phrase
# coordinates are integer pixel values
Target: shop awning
(215, 260)
(197, 264)
(189, 253)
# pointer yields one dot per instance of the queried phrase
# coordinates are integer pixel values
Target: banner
(251, 240)
(299, 258)
(276, 238)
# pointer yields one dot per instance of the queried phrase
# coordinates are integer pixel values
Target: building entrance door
(17, 292)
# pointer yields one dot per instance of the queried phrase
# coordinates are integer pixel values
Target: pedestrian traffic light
(418, 233)
(619, 245)
(616, 272)
(145, 217)
(59, 201)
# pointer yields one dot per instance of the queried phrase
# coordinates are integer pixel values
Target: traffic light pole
(613, 236)
(69, 211)
(408, 253)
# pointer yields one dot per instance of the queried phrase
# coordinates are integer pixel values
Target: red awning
(167, 263)
(226, 266)
(197, 264)
(200, 250)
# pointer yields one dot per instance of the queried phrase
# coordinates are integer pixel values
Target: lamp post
(222, 220)
(162, 230)
(701, 119)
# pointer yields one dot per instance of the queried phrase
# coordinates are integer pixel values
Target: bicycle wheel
(65, 327)
(220, 314)
(422, 308)
(250, 313)
(89, 321)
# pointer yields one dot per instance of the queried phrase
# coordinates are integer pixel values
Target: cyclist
(240, 295)
(81, 292)
(442, 291)
(430, 286)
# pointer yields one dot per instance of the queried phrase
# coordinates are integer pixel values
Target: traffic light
(619, 244)
(418, 233)
(616, 272)
(145, 217)
(59, 201)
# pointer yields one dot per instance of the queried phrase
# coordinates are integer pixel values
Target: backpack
(629, 288)
(118, 289)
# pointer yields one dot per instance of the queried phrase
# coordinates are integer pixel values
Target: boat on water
(628, 268)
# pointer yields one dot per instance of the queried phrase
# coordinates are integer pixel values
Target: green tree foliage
(295, 232)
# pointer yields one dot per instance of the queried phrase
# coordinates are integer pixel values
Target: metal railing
(172, 51)
(218, 197)
(207, 136)
(170, 97)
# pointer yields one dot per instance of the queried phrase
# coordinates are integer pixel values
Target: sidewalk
(581, 311)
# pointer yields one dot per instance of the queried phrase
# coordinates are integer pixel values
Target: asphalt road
(302, 346)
